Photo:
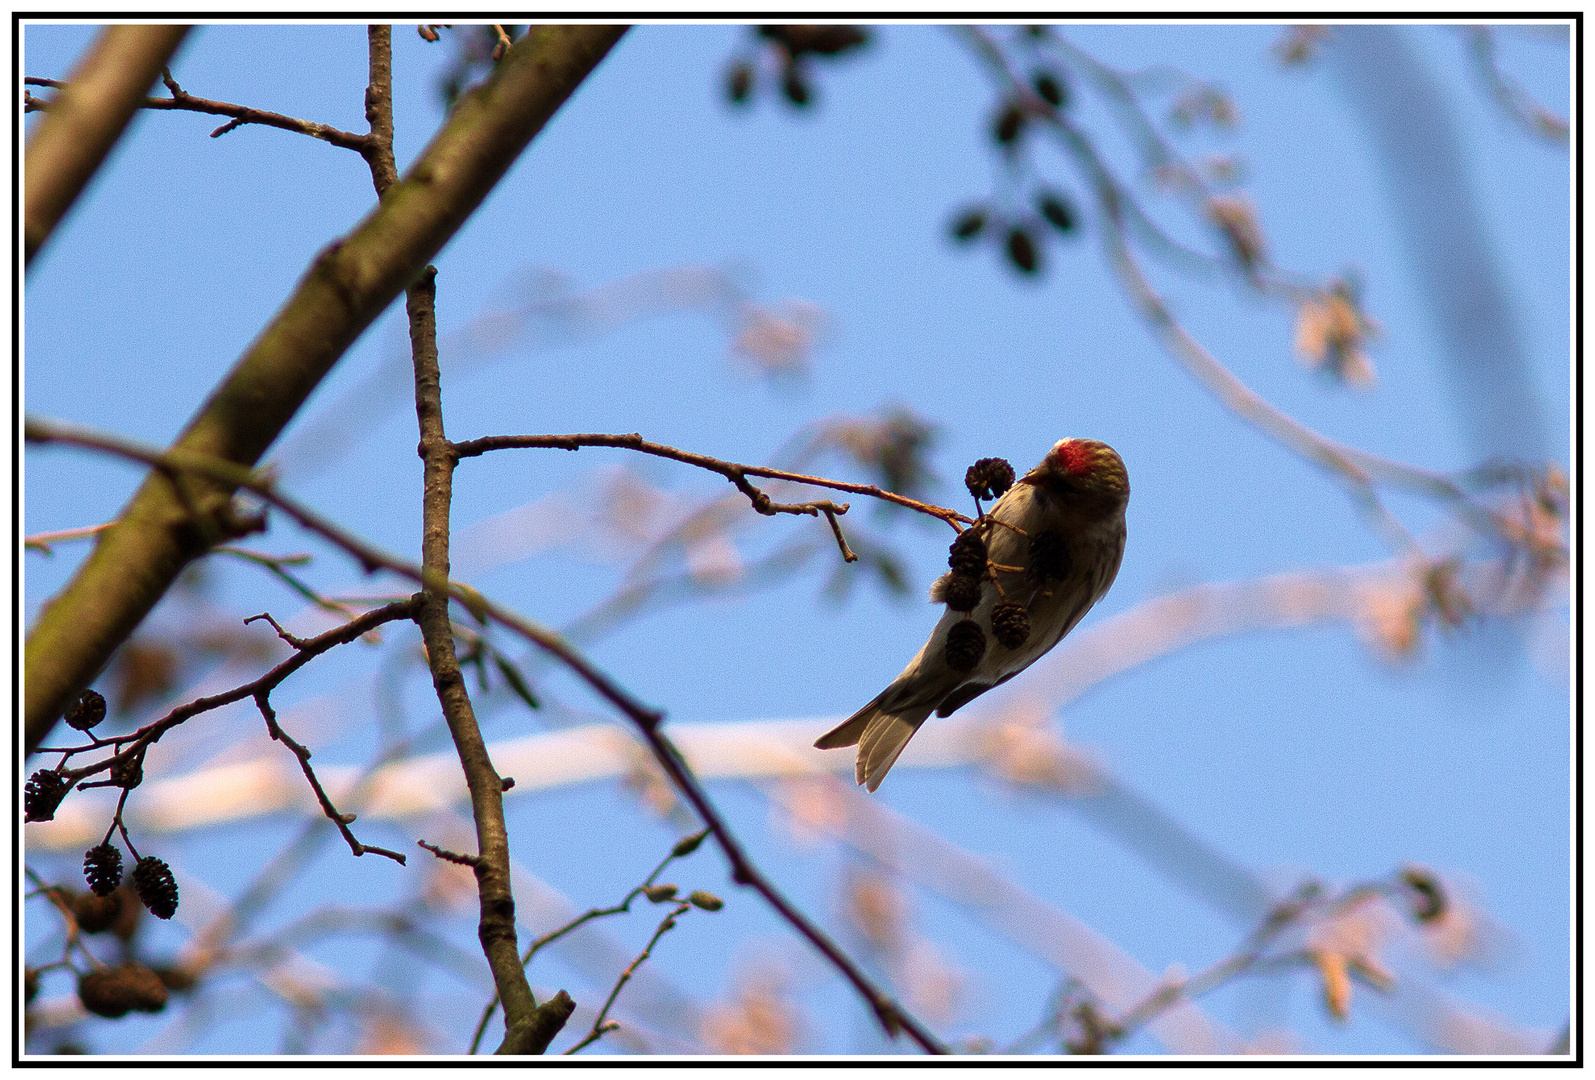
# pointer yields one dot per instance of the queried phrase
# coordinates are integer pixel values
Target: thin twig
(600, 1028)
(306, 650)
(472, 861)
(732, 471)
(182, 101)
(343, 821)
(624, 907)
(43, 541)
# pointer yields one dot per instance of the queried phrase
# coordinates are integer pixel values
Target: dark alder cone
(967, 555)
(1009, 123)
(1055, 208)
(793, 86)
(1022, 251)
(1010, 624)
(102, 868)
(1428, 898)
(968, 225)
(129, 772)
(989, 477)
(1049, 89)
(96, 914)
(1049, 557)
(966, 644)
(42, 794)
(114, 992)
(88, 711)
(153, 881)
(739, 84)
(962, 593)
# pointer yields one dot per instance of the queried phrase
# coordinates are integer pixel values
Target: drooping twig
(343, 821)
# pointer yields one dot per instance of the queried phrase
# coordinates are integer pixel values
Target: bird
(1024, 573)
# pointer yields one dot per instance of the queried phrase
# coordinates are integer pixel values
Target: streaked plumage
(1078, 492)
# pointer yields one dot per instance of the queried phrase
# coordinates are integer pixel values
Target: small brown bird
(1023, 574)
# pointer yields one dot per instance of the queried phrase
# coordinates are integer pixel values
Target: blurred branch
(90, 113)
(351, 282)
(278, 565)
(1518, 102)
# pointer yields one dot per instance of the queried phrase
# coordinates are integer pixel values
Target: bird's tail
(880, 736)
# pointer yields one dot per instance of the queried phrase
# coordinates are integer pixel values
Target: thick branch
(349, 285)
(87, 118)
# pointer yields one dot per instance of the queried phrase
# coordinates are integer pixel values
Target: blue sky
(1291, 753)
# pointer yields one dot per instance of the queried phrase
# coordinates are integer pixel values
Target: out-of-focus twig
(1518, 102)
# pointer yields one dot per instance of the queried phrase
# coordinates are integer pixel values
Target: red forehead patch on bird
(1075, 457)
